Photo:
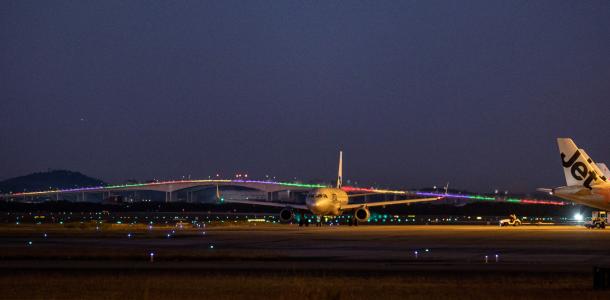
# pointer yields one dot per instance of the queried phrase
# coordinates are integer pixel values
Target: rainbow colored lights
(487, 198)
(371, 190)
(471, 197)
(159, 183)
(287, 184)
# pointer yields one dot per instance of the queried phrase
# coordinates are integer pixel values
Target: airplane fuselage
(597, 197)
(326, 201)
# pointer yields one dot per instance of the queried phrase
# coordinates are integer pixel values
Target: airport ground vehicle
(511, 221)
(599, 219)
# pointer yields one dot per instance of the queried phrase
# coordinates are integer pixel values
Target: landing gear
(303, 221)
(318, 221)
(352, 221)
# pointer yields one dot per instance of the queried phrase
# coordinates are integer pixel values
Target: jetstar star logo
(579, 169)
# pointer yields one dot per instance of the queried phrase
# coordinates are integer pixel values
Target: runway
(287, 247)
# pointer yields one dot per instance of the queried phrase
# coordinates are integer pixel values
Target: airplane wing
(392, 202)
(266, 203)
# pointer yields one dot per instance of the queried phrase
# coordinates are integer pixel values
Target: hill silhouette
(42, 181)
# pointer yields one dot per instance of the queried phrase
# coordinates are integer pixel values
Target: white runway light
(578, 217)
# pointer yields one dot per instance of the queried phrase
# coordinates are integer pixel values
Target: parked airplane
(331, 201)
(586, 182)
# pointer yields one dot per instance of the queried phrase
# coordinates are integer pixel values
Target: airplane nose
(314, 205)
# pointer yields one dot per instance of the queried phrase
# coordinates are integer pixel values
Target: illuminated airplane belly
(604, 193)
(594, 200)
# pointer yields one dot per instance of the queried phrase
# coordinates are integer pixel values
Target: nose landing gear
(303, 221)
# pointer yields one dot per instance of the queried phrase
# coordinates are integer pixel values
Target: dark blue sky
(416, 92)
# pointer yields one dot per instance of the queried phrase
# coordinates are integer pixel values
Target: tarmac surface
(309, 249)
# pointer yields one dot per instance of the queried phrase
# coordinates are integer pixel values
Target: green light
(477, 197)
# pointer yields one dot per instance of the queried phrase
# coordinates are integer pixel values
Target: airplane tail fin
(340, 172)
(578, 167)
(604, 169)
(594, 167)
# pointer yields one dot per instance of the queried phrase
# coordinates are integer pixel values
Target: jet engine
(286, 215)
(362, 214)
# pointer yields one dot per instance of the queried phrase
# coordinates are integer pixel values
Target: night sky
(417, 93)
